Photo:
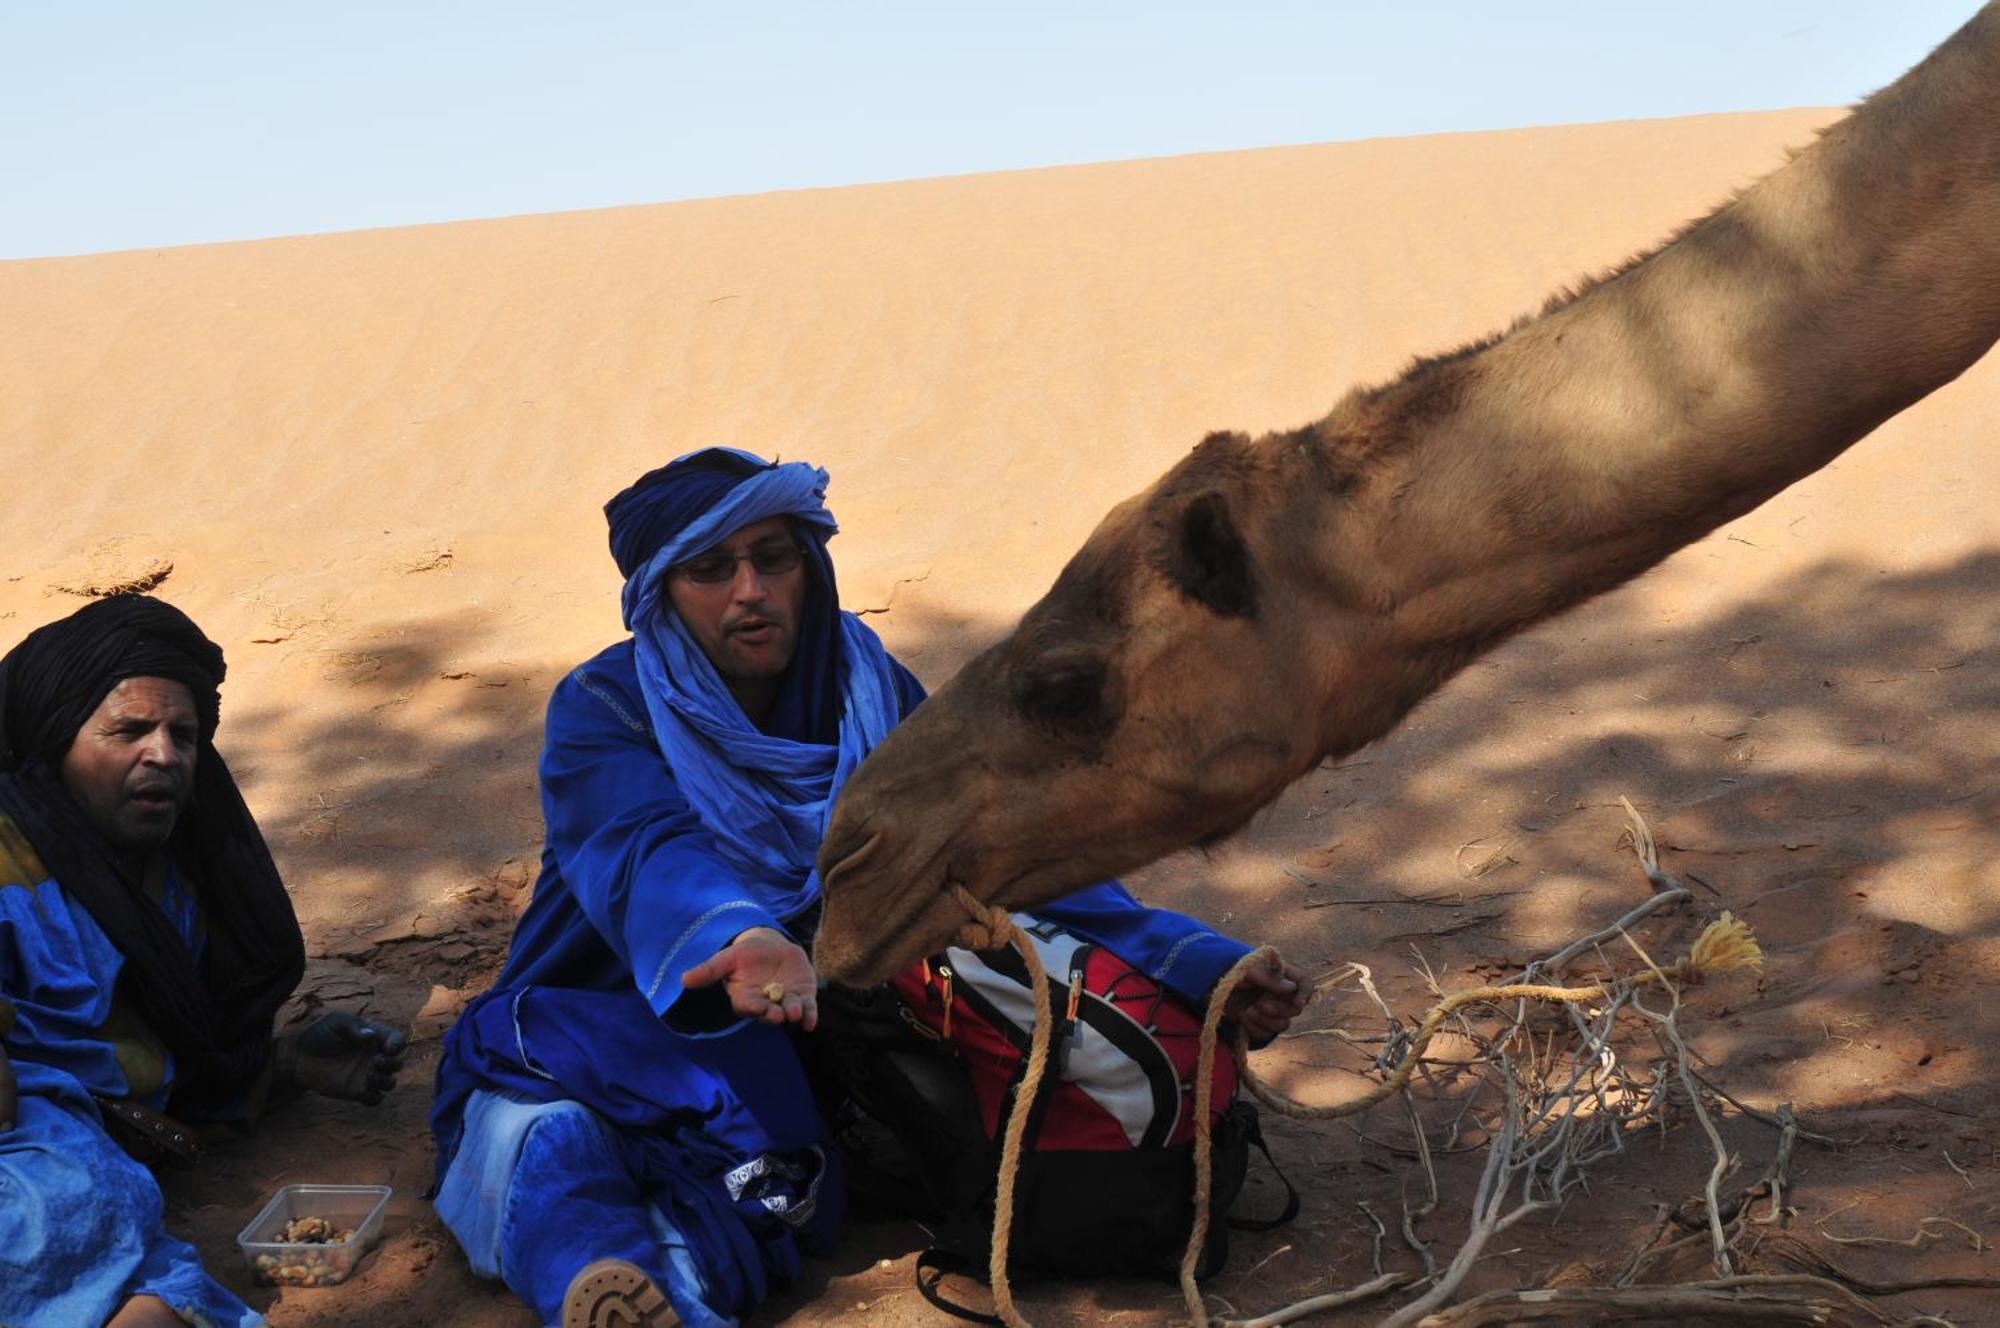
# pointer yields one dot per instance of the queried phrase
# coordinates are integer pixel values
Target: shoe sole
(612, 1293)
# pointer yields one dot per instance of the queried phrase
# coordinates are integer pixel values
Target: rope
(990, 928)
(1204, 1145)
(1724, 944)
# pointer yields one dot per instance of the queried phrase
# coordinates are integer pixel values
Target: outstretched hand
(344, 1056)
(766, 975)
(1270, 996)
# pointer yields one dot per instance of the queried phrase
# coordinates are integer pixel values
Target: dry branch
(1762, 1300)
(1795, 1251)
(1333, 1300)
(1563, 1099)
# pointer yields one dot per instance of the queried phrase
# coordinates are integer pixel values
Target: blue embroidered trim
(520, 1043)
(589, 684)
(1173, 955)
(666, 960)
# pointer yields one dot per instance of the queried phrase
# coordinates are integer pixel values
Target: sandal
(613, 1293)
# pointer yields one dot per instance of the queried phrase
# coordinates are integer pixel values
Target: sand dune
(371, 465)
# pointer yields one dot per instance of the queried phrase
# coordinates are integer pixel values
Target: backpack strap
(933, 1266)
(936, 1263)
(1038, 1111)
(1102, 1016)
(1254, 1133)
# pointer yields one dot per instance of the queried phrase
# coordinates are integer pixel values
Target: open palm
(766, 975)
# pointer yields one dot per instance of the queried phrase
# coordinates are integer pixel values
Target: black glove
(342, 1055)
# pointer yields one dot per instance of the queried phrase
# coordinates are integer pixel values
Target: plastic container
(356, 1209)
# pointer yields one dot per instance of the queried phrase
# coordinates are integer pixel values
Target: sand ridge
(371, 466)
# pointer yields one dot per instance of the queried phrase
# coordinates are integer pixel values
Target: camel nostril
(838, 857)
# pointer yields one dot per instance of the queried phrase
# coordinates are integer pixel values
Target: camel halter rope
(1723, 945)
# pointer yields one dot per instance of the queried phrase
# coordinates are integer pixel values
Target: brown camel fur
(1275, 601)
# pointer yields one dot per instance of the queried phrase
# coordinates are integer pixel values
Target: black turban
(216, 1015)
(59, 674)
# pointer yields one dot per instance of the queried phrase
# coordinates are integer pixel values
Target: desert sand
(371, 466)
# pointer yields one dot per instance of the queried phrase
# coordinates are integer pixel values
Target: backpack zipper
(1065, 1032)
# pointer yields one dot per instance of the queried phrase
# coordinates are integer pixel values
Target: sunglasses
(770, 558)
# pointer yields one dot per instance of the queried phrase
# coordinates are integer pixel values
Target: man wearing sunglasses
(741, 602)
(626, 1134)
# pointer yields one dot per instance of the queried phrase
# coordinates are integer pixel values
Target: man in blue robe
(625, 1130)
(146, 944)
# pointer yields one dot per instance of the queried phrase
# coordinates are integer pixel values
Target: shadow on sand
(1836, 788)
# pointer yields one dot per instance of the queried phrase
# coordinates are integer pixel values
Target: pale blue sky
(139, 123)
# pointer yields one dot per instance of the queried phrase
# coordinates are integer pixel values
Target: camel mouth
(860, 944)
(866, 940)
(888, 939)
(934, 920)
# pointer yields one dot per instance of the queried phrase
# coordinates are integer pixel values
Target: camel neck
(1673, 396)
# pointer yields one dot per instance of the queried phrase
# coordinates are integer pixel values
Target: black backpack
(900, 1085)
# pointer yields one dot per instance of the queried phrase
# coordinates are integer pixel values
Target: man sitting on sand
(146, 944)
(625, 1130)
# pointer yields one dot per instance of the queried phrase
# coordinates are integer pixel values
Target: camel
(1272, 602)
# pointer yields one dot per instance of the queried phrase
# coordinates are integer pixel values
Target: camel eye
(1065, 694)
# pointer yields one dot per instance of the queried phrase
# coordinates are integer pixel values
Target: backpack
(918, 1076)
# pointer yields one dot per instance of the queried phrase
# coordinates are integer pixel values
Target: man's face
(745, 620)
(130, 768)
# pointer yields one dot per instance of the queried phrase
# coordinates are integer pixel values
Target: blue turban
(764, 794)
(660, 504)
(675, 507)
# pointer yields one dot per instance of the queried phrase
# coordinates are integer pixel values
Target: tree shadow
(398, 795)
(402, 804)
(1834, 786)
(1816, 756)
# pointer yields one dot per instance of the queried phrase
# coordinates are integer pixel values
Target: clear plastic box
(356, 1209)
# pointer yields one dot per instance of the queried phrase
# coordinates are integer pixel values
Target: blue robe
(81, 1223)
(587, 1108)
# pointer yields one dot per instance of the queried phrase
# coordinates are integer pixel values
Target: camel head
(1268, 603)
(1172, 682)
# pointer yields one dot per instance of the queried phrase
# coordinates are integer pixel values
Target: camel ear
(1209, 561)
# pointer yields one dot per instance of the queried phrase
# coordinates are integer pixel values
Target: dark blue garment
(82, 1225)
(589, 1007)
(718, 1135)
(633, 890)
(576, 1196)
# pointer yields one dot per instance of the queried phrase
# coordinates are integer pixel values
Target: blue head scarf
(763, 794)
